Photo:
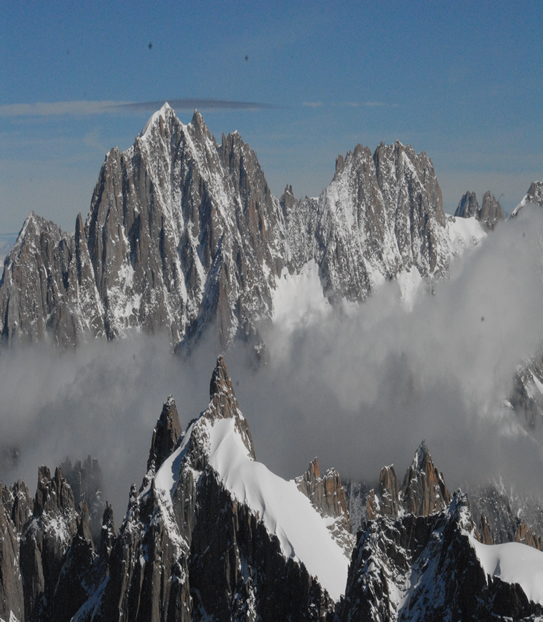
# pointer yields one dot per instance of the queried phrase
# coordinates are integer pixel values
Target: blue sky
(461, 81)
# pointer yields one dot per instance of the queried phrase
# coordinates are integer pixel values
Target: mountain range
(184, 234)
(185, 238)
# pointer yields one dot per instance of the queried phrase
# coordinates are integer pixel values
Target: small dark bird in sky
(246, 57)
(150, 45)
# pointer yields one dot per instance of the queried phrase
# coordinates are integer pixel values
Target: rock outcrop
(534, 196)
(87, 484)
(11, 581)
(422, 493)
(166, 434)
(491, 212)
(327, 496)
(423, 490)
(427, 568)
(503, 516)
(468, 206)
(488, 214)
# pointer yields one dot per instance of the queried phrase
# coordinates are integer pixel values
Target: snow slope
(283, 509)
(464, 233)
(513, 562)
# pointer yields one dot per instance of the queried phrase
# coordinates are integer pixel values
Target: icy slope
(513, 562)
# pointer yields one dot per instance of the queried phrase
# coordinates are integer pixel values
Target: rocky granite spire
(224, 405)
(423, 490)
(422, 493)
(468, 206)
(327, 496)
(488, 214)
(388, 491)
(491, 212)
(165, 435)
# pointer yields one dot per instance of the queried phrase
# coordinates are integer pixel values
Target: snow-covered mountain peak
(534, 196)
(163, 114)
(218, 444)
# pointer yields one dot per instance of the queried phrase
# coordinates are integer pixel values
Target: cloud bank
(359, 386)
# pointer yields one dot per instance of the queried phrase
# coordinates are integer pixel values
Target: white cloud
(86, 108)
(54, 109)
(358, 389)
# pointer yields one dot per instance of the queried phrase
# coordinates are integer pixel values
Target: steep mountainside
(184, 234)
(181, 233)
(381, 214)
(420, 557)
(534, 196)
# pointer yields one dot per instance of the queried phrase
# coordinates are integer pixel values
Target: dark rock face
(506, 517)
(18, 504)
(45, 540)
(489, 214)
(424, 568)
(165, 435)
(184, 234)
(11, 582)
(86, 481)
(48, 286)
(356, 495)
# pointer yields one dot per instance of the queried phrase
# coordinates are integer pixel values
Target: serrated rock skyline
(184, 234)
